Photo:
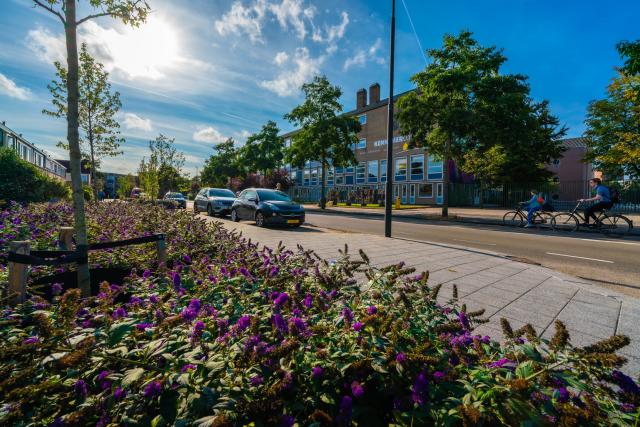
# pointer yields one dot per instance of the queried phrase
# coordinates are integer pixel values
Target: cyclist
(602, 199)
(533, 205)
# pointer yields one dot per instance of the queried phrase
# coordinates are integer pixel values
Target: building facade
(85, 171)
(29, 152)
(418, 176)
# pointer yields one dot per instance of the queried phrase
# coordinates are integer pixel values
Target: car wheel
(234, 215)
(210, 210)
(260, 219)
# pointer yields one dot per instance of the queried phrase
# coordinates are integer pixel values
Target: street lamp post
(389, 187)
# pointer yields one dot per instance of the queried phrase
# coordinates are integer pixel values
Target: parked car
(214, 201)
(177, 198)
(136, 192)
(266, 206)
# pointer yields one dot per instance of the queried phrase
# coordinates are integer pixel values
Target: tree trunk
(80, 226)
(93, 161)
(445, 176)
(323, 198)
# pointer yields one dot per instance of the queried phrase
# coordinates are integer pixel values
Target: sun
(147, 50)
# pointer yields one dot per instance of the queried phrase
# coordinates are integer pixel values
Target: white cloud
(293, 12)
(361, 56)
(47, 47)
(288, 82)
(10, 88)
(240, 19)
(209, 134)
(333, 32)
(133, 121)
(281, 58)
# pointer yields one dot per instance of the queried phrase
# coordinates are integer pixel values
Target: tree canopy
(263, 151)
(169, 163)
(221, 165)
(325, 134)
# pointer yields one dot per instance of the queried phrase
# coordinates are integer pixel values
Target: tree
(100, 132)
(465, 110)
(148, 174)
(263, 151)
(169, 162)
(325, 134)
(221, 165)
(125, 185)
(131, 12)
(630, 52)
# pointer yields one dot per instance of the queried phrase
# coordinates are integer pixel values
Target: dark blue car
(266, 207)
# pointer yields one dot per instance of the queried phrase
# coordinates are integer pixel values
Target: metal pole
(389, 187)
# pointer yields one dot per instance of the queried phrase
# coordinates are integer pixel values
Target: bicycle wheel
(513, 219)
(543, 220)
(616, 225)
(564, 221)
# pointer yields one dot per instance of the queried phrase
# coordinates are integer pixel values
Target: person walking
(602, 199)
(533, 205)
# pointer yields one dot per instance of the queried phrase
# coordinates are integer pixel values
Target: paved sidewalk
(520, 292)
(474, 215)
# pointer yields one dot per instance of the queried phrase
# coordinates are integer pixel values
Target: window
(349, 169)
(339, 170)
(425, 190)
(383, 171)
(362, 144)
(314, 176)
(401, 169)
(221, 193)
(417, 167)
(434, 169)
(360, 173)
(330, 176)
(556, 162)
(339, 180)
(348, 179)
(273, 195)
(372, 168)
(362, 119)
(307, 177)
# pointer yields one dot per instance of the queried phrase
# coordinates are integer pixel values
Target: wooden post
(162, 251)
(18, 273)
(65, 238)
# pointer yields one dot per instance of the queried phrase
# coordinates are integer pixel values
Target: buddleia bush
(238, 334)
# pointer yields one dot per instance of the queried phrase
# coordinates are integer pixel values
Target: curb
(452, 218)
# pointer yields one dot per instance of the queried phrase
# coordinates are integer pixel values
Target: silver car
(214, 201)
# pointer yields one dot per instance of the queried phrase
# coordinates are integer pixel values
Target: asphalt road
(612, 262)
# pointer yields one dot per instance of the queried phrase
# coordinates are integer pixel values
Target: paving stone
(535, 318)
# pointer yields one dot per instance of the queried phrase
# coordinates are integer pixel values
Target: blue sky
(204, 70)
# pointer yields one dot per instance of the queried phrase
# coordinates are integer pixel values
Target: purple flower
(299, 324)
(153, 389)
(347, 314)
(625, 382)
(135, 301)
(119, 393)
(464, 321)
(308, 301)
(357, 390)
(81, 389)
(153, 299)
(344, 413)
(187, 367)
(287, 420)
(419, 389)
(562, 394)
(186, 259)
(146, 273)
(281, 300)
(102, 379)
(280, 323)
(316, 372)
(119, 313)
(274, 271)
(177, 280)
(499, 363)
(628, 407)
(31, 340)
(198, 328)
(142, 326)
(372, 310)
(357, 326)
(256, 380)
(401, 358)
(438, 376)
(102, 375)
(56, 288)
(245, 273)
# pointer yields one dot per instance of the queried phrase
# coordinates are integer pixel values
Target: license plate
(293, 221)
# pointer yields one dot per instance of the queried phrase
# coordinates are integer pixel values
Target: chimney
(361, 99)
(374, 93)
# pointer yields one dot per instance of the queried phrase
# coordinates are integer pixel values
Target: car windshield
(221, 193)
(174, 196)
(273, 196)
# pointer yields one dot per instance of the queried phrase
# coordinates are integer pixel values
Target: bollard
(161, 246)
(397, 202)
(18, 273)
(65, 238)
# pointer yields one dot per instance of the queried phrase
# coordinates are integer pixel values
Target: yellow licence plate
(293, 221)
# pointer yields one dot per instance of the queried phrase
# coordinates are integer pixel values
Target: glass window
(401, 169)
(330, 176)
(425, 190)
(348, 169)
(339, 180)
(348, 179)
(220, 193)
(307, 177)
(434, 168)
(362, 144)
(314, 176)
(372, 171)
(360, 173)
(383, 171)
(362, 119)
(339, 170)
(417, 167)
(273, 195)
(251, 194)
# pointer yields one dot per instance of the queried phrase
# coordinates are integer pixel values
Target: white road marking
(475, 241)
(610, 241)
(581, 257)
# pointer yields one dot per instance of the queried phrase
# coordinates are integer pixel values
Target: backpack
(615, 195)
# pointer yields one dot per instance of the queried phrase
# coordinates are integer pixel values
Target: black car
(177, 198)
(265, 206)
(215, 201)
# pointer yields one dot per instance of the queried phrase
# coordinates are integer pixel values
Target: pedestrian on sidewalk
(533, 205)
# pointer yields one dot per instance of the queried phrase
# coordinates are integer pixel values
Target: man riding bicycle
(602, 199)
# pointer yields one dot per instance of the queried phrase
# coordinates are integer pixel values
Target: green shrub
(22, 182)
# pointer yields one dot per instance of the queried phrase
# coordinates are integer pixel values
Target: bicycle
(518, 218)
(615, 224)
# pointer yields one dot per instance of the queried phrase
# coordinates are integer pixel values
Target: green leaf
(157, 421)
(118, 331)
(524, 369)
(131, 376)
(327, 399)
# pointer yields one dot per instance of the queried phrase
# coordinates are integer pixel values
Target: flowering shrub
(232, 334)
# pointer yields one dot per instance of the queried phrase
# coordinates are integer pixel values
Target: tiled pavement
(522, 293)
